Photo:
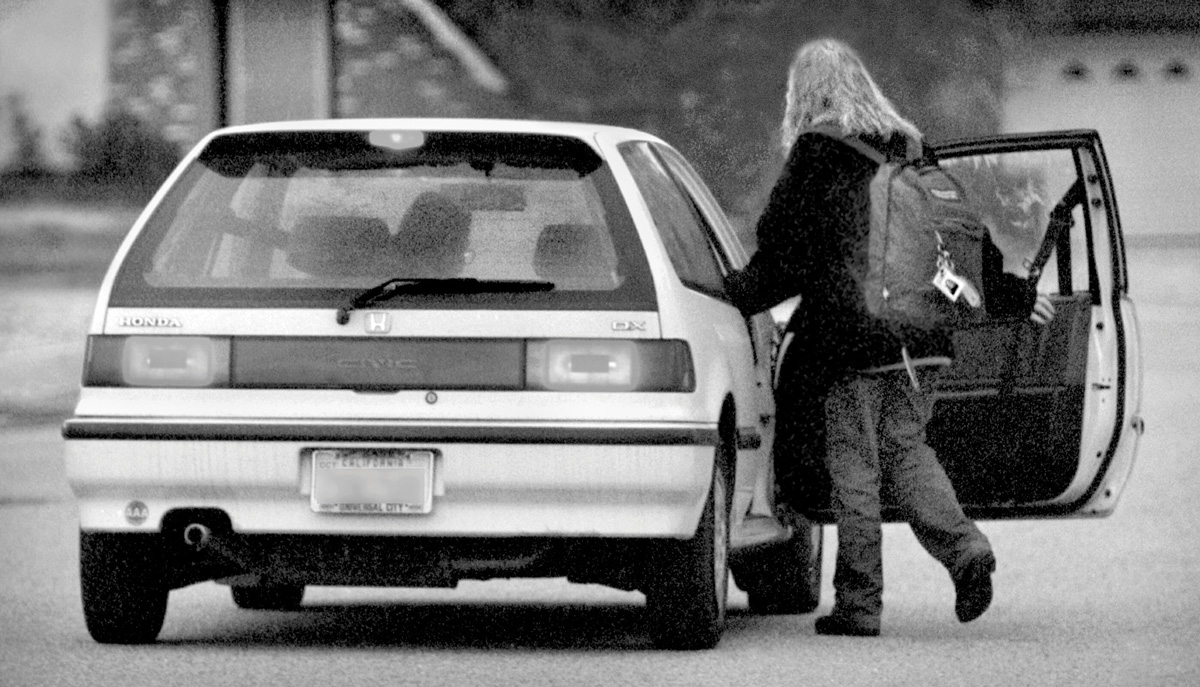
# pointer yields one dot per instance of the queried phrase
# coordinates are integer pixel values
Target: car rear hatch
(388, 260)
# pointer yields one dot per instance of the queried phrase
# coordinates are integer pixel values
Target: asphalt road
(1088, 602)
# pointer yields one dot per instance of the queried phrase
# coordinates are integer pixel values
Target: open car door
(1032, 420)
(1041, 421)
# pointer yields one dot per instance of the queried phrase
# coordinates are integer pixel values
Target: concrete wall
(1142, 93)
(277, 61)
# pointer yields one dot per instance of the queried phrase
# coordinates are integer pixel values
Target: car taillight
(608, 365)
(157, 361)
(550, 365)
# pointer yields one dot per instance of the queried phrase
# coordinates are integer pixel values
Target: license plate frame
(373, 481)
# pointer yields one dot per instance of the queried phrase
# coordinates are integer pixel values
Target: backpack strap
(915, 150)
(867, 150)
(835, 133)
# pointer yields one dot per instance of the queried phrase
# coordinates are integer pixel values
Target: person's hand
(1043, 309)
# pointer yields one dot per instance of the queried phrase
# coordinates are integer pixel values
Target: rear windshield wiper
(395, 287)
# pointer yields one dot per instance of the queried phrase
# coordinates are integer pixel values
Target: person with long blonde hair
(848, 407)
(828, 85)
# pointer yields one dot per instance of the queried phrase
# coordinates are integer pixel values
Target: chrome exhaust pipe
(196, 535)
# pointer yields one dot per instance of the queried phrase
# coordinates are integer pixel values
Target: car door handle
(748, 439)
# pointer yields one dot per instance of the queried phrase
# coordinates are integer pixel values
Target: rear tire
(268, 595)
(690, 580)
(121, 584)
(783, 578)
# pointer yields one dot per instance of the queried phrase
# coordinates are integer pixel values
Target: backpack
(925, 247)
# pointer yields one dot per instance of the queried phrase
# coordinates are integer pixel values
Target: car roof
(582, 130)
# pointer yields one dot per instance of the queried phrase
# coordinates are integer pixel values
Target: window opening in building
(1077, 71)
(1126, 71)
(1177, 70)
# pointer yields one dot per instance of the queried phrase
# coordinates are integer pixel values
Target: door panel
(756, 410)
(1009, 414)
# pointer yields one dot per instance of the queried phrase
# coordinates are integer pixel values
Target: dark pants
(876, 448)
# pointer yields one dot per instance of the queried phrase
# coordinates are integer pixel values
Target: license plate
(385, 481)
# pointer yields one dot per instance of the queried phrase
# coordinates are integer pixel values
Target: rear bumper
(490, 479)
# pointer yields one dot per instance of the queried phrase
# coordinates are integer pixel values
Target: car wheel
(783, 578)
(268, 596)
(121, 584)
(690, 581)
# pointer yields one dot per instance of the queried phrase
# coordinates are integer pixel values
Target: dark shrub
(120, 156)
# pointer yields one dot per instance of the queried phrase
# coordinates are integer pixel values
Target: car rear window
(308, 219)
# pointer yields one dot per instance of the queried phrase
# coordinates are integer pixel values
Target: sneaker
(841, 624)
(973, 588)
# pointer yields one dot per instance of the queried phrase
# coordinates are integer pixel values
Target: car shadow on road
(449, 626)
(475, 625)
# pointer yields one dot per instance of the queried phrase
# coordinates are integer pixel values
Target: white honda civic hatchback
(411, 352)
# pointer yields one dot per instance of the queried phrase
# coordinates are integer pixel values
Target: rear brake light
(157, 361)
(550, 365)
(609, 365)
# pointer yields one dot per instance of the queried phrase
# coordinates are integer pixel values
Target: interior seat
(336, 245)
(572, 256)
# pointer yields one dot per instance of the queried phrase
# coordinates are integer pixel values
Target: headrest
(336, 245)
(571, 253)
(432, 240)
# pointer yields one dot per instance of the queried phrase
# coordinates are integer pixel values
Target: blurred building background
(706, 75)
(1130, 69)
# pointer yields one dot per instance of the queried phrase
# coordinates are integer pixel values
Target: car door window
(1015, 194)
(680, 224)
(724, 242)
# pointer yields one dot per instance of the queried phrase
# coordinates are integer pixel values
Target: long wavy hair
(828, 85)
